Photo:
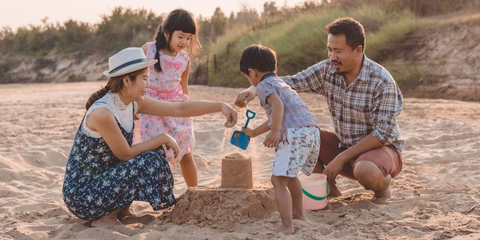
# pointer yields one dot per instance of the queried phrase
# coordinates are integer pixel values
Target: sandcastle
(234, 202)
(237, 171)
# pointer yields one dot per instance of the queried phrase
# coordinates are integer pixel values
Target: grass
(300, 41)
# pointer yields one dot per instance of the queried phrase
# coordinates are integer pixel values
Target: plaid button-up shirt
(369, 105)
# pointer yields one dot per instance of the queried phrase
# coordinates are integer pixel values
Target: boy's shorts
(298, 151)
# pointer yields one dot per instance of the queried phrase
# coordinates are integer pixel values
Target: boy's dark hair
(351, 28)
(258, 57)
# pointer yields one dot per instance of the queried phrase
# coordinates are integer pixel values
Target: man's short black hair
(258, 57)
(351, 28)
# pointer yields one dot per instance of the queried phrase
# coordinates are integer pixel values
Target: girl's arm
(102, 121)
(154, 107)
(184, 81)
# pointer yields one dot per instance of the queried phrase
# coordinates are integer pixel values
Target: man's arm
(309, 80)
(387, 105)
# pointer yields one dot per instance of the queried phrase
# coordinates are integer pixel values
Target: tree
(219, 22)
(269, 9)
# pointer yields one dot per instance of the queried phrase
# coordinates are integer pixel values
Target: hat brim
(129, 69)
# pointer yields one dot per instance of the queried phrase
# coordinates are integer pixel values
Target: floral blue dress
(97, 183)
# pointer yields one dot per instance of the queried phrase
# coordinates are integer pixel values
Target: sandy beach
(436, 196)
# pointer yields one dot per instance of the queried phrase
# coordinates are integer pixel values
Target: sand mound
(221, 207)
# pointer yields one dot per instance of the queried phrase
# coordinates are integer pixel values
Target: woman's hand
(230, 114)
(271, 140)
(169, 142)
(245, 96)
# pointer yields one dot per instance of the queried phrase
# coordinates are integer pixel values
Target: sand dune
(436, 196)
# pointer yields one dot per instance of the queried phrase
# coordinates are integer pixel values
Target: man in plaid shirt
(364, 102)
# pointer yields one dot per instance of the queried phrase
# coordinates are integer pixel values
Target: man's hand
(245, 96)
(334, 168)
(271, 141)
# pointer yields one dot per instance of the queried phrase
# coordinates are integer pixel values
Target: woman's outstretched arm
(154, 107)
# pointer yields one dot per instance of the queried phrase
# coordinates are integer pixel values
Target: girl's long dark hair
(114, 84)
(178, 19)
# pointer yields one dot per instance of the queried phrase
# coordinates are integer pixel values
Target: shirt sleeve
(265, 89)
(309, 80)
(388, 104)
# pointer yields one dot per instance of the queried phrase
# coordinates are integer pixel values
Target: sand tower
(237, 171)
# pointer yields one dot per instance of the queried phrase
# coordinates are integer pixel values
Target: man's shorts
(297, 152)
(387, 158)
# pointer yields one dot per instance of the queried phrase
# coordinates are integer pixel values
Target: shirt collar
(272, 74)
(364, 74)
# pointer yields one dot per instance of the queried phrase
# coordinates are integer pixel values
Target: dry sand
(435, 197)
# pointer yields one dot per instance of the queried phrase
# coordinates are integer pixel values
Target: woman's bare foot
(106, 220)
(284, 229)
(125, 212)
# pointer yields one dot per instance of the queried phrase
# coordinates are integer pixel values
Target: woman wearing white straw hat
(105, 173)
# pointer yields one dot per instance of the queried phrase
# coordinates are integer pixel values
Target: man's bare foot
(334, 192)
(383, 194)
(299, 217)
(107, 220)
(284, 229)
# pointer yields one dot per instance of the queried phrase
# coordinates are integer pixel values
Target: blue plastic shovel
(239, 138)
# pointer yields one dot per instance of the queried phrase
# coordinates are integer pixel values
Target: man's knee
(367, 173)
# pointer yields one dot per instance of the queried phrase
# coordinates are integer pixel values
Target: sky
(18, 13)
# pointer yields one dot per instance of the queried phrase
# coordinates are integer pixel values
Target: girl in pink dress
(175, 39)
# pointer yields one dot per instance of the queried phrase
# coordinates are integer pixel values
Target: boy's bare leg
(189, 170)
(295, 188)
(371, 178)
(107, 220)
(284, 204)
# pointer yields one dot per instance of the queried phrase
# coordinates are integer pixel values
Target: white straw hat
(126, 61)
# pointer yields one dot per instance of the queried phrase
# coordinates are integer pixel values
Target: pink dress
(165, 86)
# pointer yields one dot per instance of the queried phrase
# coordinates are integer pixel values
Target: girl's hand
(249, 132)
(230, 114)
(271, 141)
(170, 143)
